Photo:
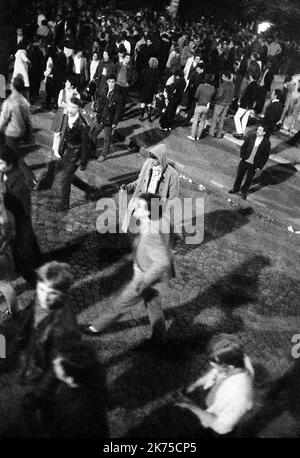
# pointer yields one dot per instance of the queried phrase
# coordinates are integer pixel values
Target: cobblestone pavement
(243, 279)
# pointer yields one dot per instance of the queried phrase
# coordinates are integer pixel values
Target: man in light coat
(153, 263)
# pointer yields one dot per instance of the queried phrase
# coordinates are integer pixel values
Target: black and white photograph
(150, 215)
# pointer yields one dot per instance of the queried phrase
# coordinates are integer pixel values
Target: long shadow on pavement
(273, 176)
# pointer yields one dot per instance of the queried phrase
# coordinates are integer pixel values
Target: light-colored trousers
(199, 118)
(129, 298)
(241, 120)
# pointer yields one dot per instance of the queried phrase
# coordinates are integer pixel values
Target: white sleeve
(233, 399)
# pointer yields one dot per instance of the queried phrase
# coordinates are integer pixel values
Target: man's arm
(5, 115)
(118, 111)
(84, 147)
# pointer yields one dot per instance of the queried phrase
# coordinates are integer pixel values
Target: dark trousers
(244, 168)
(260, 100)
(49, 92)
(68, 178)
(123, 91)
(107, 132)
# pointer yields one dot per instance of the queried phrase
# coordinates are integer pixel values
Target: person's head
(208, 78)
(75, 363)
(95, 56)
(149, 41)
(111, 82)
(227, 75)
(8, 159)
(79, 53)
(18, 83)
(226, 352)
(95, 44)
(276, 94)
(287, 80)
(54, 280)
(148, 207)
(260, 131)
(105, 56)
(126, 60)
(153, 62)
(197, 59)
(19, 32)
(70, 83)
(178, 74)
(74, 106)
(268, 64)
(200, 68)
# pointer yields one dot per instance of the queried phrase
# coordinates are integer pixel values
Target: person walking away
(223, 100)
(203, 98)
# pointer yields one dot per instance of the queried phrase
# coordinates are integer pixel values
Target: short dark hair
(111, 76)
(18, 83)
(278, 93)
(154, 205)
(209, 78)
(58, 274)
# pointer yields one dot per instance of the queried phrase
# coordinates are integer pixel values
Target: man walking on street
(109, 112)
(153, 262)
(223, 101)
(255, 152)
(74, 151)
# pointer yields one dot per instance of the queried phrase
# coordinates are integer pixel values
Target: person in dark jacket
(255, 152)
(109, 111)
(247, 102)
(223, 101)
(25, 247)
(126, 77)
(175, 92)
(73, 148)
(48, 322)
(149, 85)
(36, 73)
(59, 71)
(264, 87)
(273, 112)
(72, 401)
(105, 68)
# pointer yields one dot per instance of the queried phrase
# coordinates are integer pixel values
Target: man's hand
(113, 126)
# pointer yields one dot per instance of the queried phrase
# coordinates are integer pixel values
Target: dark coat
(42, 341)
(74, 144)
(268, 80)
(131, 73)
(263, 151)
(250, 95)
(149, 84)
(59, 68)
(272, 115)
(110, 70)
(70, 412)
(109, 110)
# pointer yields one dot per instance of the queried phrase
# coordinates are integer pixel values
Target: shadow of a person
(272, 176)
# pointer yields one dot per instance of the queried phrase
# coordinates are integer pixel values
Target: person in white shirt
(229, 383)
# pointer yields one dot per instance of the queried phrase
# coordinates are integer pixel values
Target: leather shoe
(233, 191)
(85, 329)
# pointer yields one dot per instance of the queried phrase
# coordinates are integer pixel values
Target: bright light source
(263, 27)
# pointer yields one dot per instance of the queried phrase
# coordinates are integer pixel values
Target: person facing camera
(48, 322)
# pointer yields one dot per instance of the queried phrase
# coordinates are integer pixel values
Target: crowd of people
(88, 56)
